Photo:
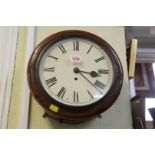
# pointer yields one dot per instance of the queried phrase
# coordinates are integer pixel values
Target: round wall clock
(75, 75)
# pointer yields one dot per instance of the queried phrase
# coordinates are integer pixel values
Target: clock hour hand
(77, 70)
(92, 73)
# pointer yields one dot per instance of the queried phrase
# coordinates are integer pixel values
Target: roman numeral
(76, 46)
(90, 94)
(103, 71)
(89, 49)
(62, 92)
(99, 84)
(52, 69)
(75, 97)
(50, 82)
(99, 59)
(52, 57)
(63, 50)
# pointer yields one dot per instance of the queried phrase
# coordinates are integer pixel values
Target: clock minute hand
(77, 70)
(91, 83)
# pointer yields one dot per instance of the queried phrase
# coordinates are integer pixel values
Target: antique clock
(75, 75)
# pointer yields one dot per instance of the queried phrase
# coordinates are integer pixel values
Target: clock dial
(76, 72)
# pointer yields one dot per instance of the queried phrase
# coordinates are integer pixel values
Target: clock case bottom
(65, 120)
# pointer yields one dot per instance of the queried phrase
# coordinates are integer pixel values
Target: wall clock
(75, 75)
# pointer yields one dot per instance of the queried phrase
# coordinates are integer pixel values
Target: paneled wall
(118, 116)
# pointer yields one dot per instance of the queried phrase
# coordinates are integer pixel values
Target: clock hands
(77, 70)
(92, 73)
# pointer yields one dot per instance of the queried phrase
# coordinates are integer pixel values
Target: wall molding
(8, 42)
(24, 116)
(145, 55)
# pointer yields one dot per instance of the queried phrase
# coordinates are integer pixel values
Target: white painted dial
(76, 72)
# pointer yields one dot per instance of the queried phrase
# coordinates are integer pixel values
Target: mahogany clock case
(66, 112)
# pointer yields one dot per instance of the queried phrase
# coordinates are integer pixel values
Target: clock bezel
(66, 111)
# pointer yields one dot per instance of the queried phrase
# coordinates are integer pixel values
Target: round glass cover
(76, 72)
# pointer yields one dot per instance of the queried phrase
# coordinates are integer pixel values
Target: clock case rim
(68, 111)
